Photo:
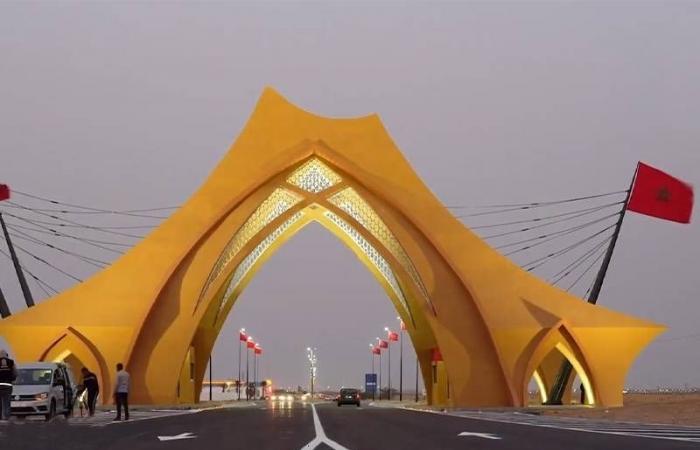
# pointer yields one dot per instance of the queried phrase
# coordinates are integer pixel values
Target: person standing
(121, 392)
(8, 374)
(92, 387)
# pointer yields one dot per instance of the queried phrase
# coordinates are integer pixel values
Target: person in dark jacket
(8, 374)
(92, 387)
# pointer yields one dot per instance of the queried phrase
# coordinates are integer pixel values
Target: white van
(43, 388)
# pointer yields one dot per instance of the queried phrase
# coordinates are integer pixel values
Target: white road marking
(321, 437)
(651, 431)
(177, 437)
(479, 435)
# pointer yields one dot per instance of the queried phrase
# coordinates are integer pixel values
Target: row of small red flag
(250, 343)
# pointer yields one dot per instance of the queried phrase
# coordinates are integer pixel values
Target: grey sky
(131, 105)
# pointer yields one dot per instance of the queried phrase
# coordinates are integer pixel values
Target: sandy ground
(679, 409)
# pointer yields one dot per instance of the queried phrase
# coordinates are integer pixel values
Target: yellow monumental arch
(160, 307)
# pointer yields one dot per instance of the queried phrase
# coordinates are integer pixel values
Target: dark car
(349, 397)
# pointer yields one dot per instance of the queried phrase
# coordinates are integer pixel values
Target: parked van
(43, 388)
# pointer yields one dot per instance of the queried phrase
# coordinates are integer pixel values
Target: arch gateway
(160, 307)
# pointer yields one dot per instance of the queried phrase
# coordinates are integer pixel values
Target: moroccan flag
(403, 325)
(658, 194)
(258, 349)
(242, 336)
(4, 192)
(376, 350)
(383, 344)
(392, 335)
(250, 343)
(436, 355)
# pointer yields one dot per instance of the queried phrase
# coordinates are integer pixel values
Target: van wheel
(52, 411)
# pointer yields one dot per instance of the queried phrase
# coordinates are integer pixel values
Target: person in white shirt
(121, 392)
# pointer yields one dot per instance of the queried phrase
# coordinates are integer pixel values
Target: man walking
(92, 387)
(121, 392)
(8, 374)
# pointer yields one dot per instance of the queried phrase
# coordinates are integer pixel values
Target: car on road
(43, 388)
(349, 396)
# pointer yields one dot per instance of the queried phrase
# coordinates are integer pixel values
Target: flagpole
(238, 381)
(4, 309)
(557, 391)
(401, 366)
(389, 369)
(210, 377)
(375, 384)
(380, 373)
(416, 377)
(247, 372)
(29, 300)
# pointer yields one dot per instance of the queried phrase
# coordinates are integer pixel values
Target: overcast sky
(131, 105)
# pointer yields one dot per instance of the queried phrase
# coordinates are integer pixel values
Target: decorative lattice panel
(314, 176)
(350, 201)
(275, 205)
(249, 261)
(372, 254)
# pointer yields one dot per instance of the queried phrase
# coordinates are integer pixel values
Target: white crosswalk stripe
(654, 431)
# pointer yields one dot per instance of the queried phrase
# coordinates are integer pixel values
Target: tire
(358, 404)
(52, 411)
(339, 404)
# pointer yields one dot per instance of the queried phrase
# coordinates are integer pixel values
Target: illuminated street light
(311, 356)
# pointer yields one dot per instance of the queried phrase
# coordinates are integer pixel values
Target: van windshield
(33, 377)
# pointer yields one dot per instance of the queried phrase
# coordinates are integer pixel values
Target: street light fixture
(311, 356)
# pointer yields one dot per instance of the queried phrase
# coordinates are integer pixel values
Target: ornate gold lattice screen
(315, 177)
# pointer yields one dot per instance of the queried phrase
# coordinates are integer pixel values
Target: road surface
(301, 426)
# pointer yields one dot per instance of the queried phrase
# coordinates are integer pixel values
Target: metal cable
(85, 240)
(517, 206)
(37, 280)
(559, 234)
(87, 259)
(539, 219)
(543, 260)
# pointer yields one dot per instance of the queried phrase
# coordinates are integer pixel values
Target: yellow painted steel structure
(160, 307)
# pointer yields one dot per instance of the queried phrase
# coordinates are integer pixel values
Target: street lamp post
(311, 355)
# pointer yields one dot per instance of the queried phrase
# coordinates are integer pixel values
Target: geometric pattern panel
(249, 261)
(314, 176)
(354, 205)
(372, 254)
(275, 205)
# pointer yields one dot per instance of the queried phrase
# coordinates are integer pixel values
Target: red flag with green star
(658, 194)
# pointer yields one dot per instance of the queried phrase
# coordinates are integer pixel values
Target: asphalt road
(300, 426)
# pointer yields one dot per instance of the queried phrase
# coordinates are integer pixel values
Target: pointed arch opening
(311, 193)
(555, 348)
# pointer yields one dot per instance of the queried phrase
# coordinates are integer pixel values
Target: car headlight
(42, 396)
(290, 398)
(273, 398)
